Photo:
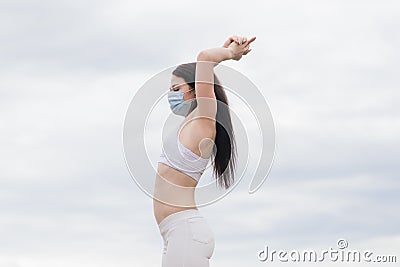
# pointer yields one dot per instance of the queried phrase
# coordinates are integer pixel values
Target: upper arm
(204, 86)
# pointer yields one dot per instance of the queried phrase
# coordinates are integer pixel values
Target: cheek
(186, 97)
(190, 96)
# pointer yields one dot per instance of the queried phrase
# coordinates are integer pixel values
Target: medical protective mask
(177, 104)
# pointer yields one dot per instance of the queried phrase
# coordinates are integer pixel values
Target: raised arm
(233, 48)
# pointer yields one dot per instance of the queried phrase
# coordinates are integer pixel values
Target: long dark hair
(225, 154)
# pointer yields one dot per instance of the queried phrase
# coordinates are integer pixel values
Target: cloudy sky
(328, 70)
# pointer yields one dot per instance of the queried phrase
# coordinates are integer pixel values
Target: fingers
(244, 40)
(232, 39)
(246, 52)
(228, 42)
(247, 49)
(251, 40)
(239, 40)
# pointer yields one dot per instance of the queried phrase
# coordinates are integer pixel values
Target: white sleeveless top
(179, 157)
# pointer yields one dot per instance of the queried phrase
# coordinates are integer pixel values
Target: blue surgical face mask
(177, 104)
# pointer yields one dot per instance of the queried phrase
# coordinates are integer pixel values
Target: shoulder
(196, 130)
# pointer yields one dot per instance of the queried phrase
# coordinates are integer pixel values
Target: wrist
(216, 55)
(230, 53)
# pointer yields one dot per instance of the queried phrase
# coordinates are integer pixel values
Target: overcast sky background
(328, 69)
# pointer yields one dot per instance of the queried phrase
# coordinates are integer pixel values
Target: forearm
(217, 54)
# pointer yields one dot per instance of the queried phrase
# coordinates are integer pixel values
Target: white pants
(188, 240)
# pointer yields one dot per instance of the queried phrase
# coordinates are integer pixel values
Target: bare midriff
(173, 192)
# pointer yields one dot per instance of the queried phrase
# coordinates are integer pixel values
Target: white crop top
(179, 157)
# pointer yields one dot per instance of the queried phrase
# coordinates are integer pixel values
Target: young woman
(206, 131)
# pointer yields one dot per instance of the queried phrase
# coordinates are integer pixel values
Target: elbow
(203, 56)
(207, 107)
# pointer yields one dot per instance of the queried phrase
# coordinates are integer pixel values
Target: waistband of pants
(177, 216)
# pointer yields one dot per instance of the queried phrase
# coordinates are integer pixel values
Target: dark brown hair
(224, 156)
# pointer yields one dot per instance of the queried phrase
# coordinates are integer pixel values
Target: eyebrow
(173, 86)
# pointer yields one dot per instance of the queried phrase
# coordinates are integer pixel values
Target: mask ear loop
(189, 90)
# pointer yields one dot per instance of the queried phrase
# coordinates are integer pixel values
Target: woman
(206, 131)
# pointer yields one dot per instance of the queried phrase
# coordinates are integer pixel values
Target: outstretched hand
(238, 46)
